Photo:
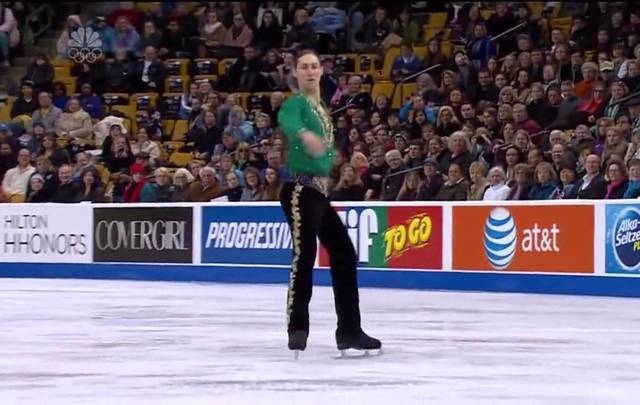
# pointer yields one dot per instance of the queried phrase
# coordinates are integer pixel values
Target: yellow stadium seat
(177, 67)
(408, 90)
(180, 129)
(447, 48)
(211, 78)
(104, 173)
(420, 51)
(5, 113)
(138, 100)
(176, 84)
(386, 88)
(224, 64)
(61, 71)
(369, 58)
(180, 159)
(69, 82)
(61, 62)
(17, 198)
(389, 58)
(168, 126)
(206, 66)
(486, 14)
(437, 20)
(127, 123)
(129, 111)
(366, 88)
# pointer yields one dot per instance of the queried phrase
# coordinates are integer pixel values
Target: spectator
(149, 73)
(521, 183)
(63, 44)
(40, 73)
(212, 33)
(126, 37)
(182, 178)
(106, 33)
(447, 123)
(376, 29)
(159, 189)
(126, 9)
(83, 162)
(66, 190)
(480, 48)
(593, 184)
(15, 180)
(269, 33)
(238, 126)
(567, 188)
(239, 35)
(301, 35)
(633, 187)
(118, 72)
(143, 144)
(253, 185)
(498, 189)
(151, 36)
(173, 40)
(432, 181)
(479, 183)
(372, 178)
(91, 188)
(394, 178)
(618, 183)
(120, 158)
(89, 101)
(263, 128)
(225, 167)
(8, 158)
(205, 189)
(50, 150)
(47, 114)
(434, 57)
(133, 190)
(75, 124)
(9, 34)
(349, 187)
(37, 192)
(205, 139)
(405, 64)
(356, 97)
(25, 104)
(60, 97)
(273, 185)
(409, 189)
(405, 28)
(456, 187)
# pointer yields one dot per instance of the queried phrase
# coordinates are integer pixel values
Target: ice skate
(359, 341)
(297, 341)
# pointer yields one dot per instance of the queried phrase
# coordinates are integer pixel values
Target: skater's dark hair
(304, 52)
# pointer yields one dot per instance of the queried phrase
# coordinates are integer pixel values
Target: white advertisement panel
(46, 233)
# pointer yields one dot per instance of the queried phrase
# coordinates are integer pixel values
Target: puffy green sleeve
(290, 118)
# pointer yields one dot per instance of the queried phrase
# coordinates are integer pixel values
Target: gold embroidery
(295, 236)
(325, 120)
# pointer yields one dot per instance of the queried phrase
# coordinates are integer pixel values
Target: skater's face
(308, 71)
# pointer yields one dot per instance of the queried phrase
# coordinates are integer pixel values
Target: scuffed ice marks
(68, 341)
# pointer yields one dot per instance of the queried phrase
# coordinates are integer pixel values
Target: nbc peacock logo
(500, 238)
(85, 45)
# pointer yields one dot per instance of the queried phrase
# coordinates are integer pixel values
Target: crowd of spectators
(537, 114)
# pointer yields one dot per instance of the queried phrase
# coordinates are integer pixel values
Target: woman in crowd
(521, 183)
(617, 180)
(456, 187)
(50, 150)
(409, 189)
(498, 189)
(37, 192)
(234, 189)
(546, 183)
(477, 173)
(349, 186)
(253, 190)
(91, 189)
(182, 178)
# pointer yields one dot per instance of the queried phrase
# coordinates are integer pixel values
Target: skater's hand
(315, 146)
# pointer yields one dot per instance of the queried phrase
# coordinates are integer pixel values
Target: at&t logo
(501, 240)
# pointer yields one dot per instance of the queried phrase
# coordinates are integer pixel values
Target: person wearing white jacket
(497, 190)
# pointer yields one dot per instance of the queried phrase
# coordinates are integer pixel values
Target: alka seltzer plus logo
(626, 239)
(501, 239)
(85, 45)
(364, 231)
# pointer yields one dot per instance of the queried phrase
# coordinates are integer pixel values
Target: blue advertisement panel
(245, 235)
(623, 239)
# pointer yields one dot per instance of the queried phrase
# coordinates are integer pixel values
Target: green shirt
(298, 115)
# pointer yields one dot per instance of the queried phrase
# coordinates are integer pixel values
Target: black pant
(310, 215)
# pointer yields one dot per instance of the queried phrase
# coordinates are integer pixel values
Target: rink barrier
(554, 247)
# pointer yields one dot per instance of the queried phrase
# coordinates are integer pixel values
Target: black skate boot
(357, 341)
(298, 340)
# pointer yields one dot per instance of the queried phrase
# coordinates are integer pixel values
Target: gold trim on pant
(295, 235)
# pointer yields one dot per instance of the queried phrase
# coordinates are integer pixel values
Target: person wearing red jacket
(138, 180)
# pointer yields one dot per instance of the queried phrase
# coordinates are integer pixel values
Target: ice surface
(76, 341)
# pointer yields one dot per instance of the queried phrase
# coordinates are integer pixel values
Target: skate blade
(353, 354)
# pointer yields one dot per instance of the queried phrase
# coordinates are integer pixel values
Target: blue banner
(623, 239)
(245, 235)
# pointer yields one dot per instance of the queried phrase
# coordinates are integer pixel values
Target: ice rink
(75, 341)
